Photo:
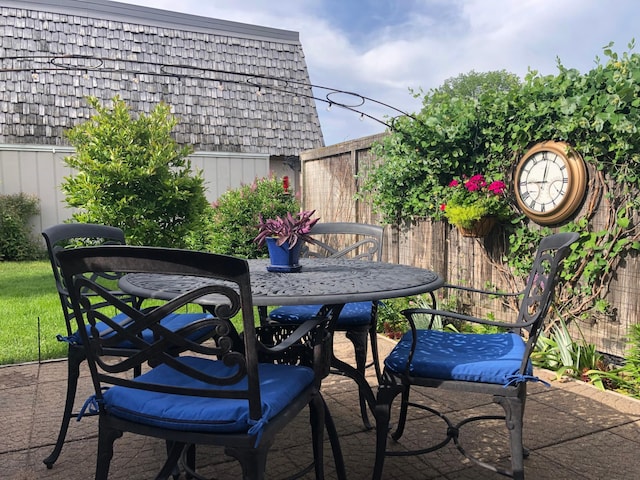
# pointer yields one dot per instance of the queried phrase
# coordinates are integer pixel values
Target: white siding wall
(39, 170)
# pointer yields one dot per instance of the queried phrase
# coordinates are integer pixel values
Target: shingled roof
(234, 87)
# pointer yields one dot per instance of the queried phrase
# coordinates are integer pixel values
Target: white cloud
(428, 42)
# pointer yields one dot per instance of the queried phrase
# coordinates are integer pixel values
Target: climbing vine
(456, 134)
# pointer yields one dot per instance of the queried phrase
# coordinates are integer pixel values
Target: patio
(571, 429)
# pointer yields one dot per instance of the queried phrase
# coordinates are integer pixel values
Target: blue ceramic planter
(282, 258)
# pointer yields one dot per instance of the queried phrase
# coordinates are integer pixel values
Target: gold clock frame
(576, 186)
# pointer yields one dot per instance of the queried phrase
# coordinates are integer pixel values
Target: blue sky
(383, 48)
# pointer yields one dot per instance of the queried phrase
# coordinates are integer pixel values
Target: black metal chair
(358, 319)
(69, 235)
(213, 393)
(496, 364)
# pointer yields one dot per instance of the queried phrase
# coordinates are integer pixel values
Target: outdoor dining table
(324, 281)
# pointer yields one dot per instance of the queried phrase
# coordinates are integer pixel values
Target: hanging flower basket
(480, 228)
(475, 205)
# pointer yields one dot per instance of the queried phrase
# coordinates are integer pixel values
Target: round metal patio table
(329, 282)
(320, 281)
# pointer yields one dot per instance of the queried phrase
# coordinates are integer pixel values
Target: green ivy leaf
(623, 222)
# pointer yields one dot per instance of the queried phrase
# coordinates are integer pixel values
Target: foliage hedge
(233, 221)
(16, 242)
(597, 112)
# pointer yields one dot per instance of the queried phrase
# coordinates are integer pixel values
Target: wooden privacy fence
(330, 181)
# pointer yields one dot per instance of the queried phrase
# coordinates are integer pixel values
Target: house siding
(39, 170)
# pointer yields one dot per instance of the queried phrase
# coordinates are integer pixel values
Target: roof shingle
(233, 87)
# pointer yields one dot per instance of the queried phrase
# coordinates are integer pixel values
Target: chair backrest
(345, 239)
(540, 289)
(70, 235)
(224, 280)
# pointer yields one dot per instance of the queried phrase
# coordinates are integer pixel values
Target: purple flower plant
(291, 228)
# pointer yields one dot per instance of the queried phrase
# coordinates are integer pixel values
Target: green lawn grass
(31, 313)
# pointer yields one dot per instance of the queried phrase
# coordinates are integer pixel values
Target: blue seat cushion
(487, 358)
(173, 322)
(279, 385)
(353, 314)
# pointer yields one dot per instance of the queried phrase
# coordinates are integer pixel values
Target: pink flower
(475, 183)
(497, 187)
(471, 186)
(478, 178)
(478, 195)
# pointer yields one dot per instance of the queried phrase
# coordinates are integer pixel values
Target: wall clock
(550, 182)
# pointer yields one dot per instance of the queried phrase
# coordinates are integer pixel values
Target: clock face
(543, 181)
(550, 182)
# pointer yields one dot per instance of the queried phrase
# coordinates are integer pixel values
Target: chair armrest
(465, 297)
(306, 344)
(481, 291)
(410, 312)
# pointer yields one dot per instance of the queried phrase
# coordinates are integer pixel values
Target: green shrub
(459, 132)
(202, 238)
(390, 318)
(235, 216)
(133, 175)
(16, 242)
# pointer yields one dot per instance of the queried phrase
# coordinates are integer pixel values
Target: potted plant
(284, 237)
(474, 205)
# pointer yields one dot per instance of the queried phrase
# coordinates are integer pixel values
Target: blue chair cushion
(487, 358)
(353, 314)
(279, 385)
(173, 322)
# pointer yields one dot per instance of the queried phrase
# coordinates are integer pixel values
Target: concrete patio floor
(572, 430)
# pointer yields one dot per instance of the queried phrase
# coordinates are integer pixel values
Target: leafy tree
(132, 174)
(474, 84)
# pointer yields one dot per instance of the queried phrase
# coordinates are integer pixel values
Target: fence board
(330, 179)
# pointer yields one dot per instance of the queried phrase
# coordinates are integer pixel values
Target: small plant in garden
(467, 200)
(235, 216)
(391, 322)
(16, 242)
(625, 379)
(289, 228)
(558, 352)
